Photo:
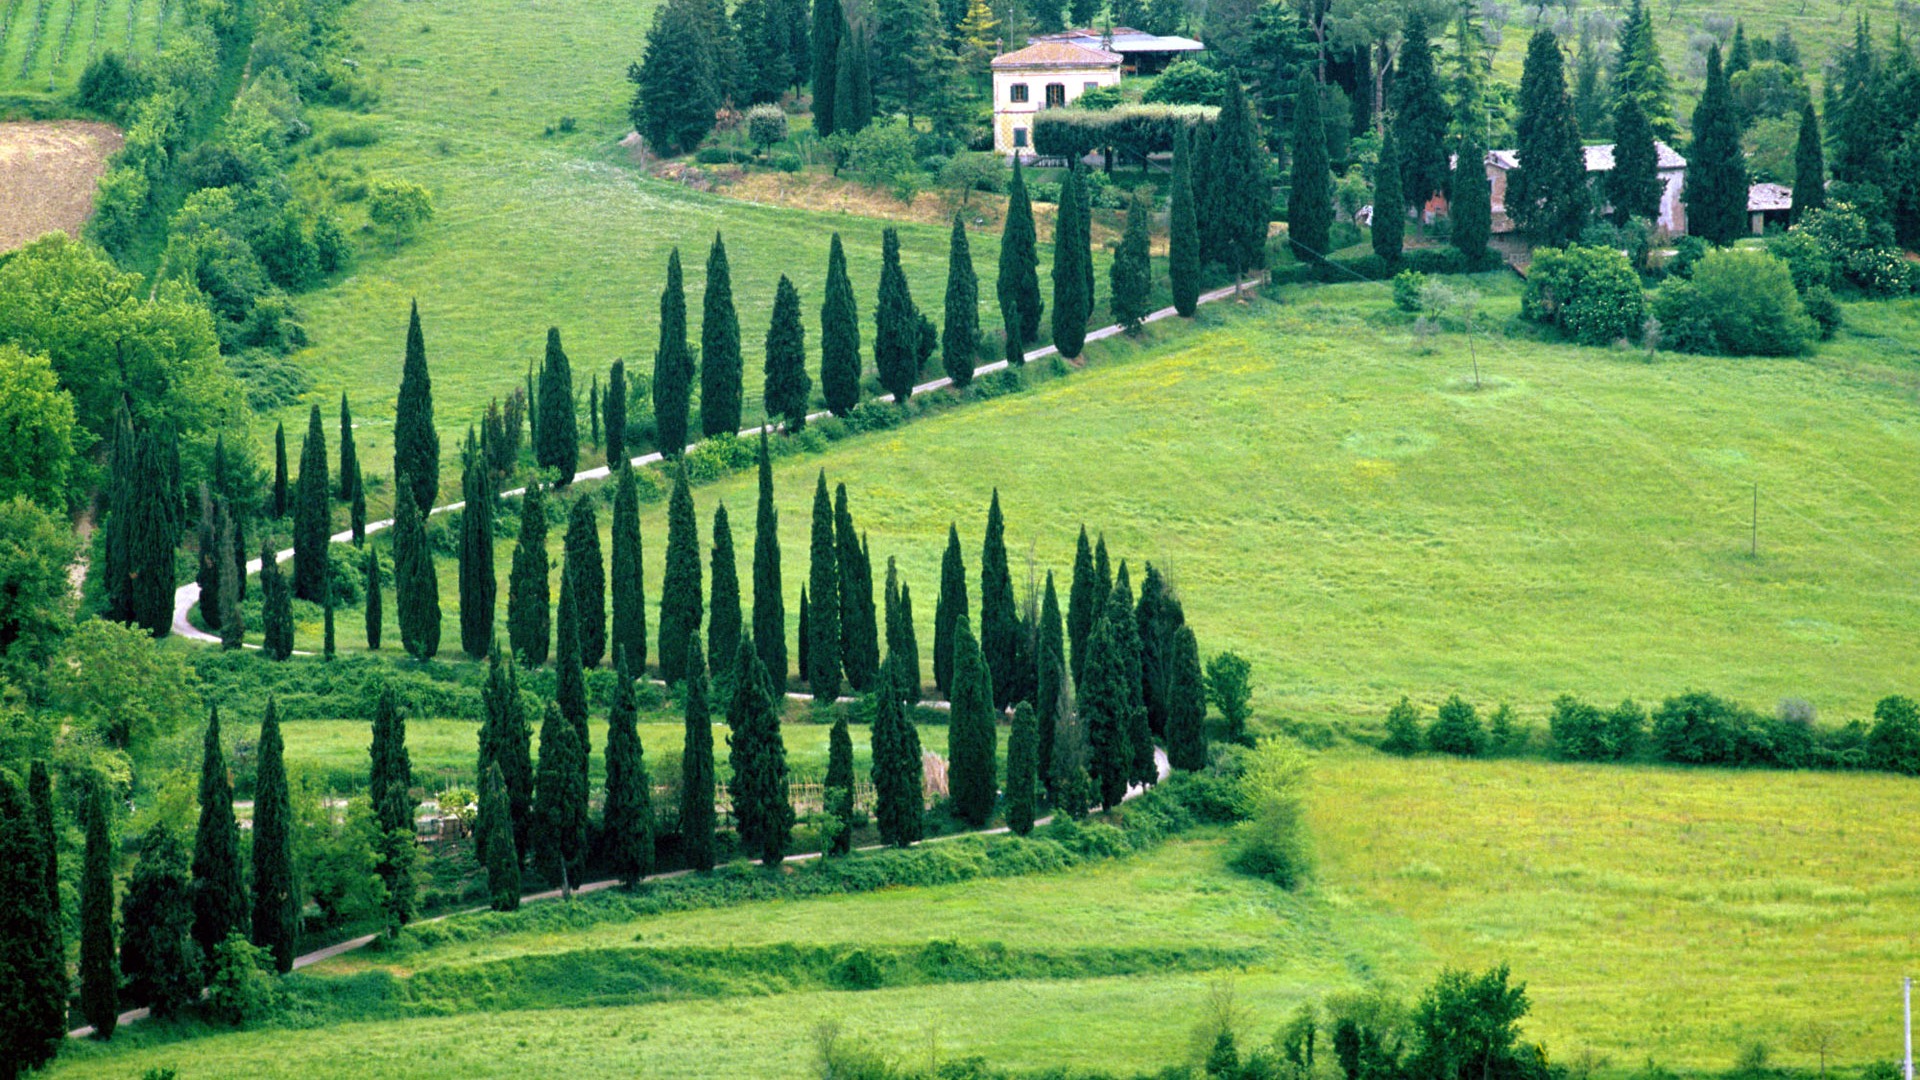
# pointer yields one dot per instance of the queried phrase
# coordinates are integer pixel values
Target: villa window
(1020, 138)
(1017, 93)
(1089, 86)
(1056, 95)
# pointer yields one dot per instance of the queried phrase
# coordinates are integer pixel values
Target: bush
(1403, 728)
(1684, 323)
(1749, 299)
(1230, 690)
(1860, 245)
(1456, 730)
(1132, 130)
(786, 163)
(1894, 744)
(1808, 259)
(1187, 82)
(721, 155)
(1272, 842)
(1589, 294)
(1406, 289)
(398, 206)
(882, 153)
(1824, 309)
(1687, 251)
(240, 984)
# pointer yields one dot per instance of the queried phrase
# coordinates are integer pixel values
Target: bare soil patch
(48, 170)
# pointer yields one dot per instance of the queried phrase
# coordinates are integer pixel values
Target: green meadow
(46, 44)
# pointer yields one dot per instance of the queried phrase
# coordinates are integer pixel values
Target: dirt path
(48, 172)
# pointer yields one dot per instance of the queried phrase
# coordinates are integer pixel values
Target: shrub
(1684, 324)
(857, 970)
(1749, 298)
(398, 206)
(1824, 309)
(786, 163)
(721, 155)
(1696, 728)
(1687, 251)
(1230, 689)
(1272, 842)
(1807, 258)
(1860, 245)
(1406, 289)
(240, 985)
(1456, 730)
(1589, 294)
(1403, 728)
(882, 152)
(1132, 130)
(1894, 744)
(1187, 82)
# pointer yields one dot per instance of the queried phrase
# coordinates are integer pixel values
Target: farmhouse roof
(1123, 40)
(1056, 54)
(1767, 196)
(1598, 158)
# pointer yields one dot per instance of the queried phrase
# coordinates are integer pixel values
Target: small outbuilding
(1044, 75)
(1769, 204)
(1141, 53)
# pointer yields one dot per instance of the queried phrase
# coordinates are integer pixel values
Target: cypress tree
(416, 442)
(829, 22)
(1155, 617)
(839, 783)
(627, 821)
(672, 374)
(158, 957)
(478, 586)
(629, 580)
(569, 677)
(1739, 54)
(219, 891)
(1640, 74)
(1547, 194)
(533, 408)
(719, 349)
(839, 336)
(787, 385)
(960, 328)
(758, 757)
(560, 800)
(805, 635)
(898, 784)
(949, 608)
(853, 85)
(1186, 704)
(896, 325)
(971, 741)
(907, 679)
(1131, 275)
(529, 618)
(1183, 230)
(1103, 699)
(326, 622)
(1246, 197)
(33, 999)
(769, 606)
(680, 586)
(276, 609)
(1207, 191)
(1310, 200)
(493, 835)
(1419, 117)
(1633, 184)
(1072, 299)
(282, 500)
(1050, 672)
(1809, 167)
(613, 406)
(1022, 770)
(593, 413)
(823, 622)
(696, 767)
(349, 457)
(1126, 636)
(1471, 200)
(373, 612)
(390, 769)
(556, 442)
(1389, 224)
(1717, 166)
(99, 974)
(588, 572)
(357, 508)
(1018, 285)
(1102, 574)
(1083, 606)
(999, 620)
(859, 647)
(415, 581)
(233, 572)
(208, 555)
(505, 736)
(723, 616)
(275, 906)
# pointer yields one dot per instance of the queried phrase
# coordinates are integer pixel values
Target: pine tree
(839, 336)
(1471, 199)
(373, 612)
(1640, 74)
(839, 783)
(1717, 166)
(1809, 167)
(1072, 300)
(588, 571)
(853, 83)
(529, 617)
(680, 605)
(219, 890)
(282, 493)
(349, 457)
(769, 606)
(999, 620)
(960, 329)
(949, 608)
(822, 661)
(557, 438)
(276, 609)
(613, 406)
(1022, 770)
(1310, 200)
(276, 908)
(787, 385)
(723, 614)
(1183, 230)
(898, 784)
(1186, 704)
(972, 744)
(1246, 196)
(505, 738)
(416, 442)
(1389, 224)
(1547, 194)
(1083, 605)
(560, 801)
(493, 836)
(1633, 184)
(99, 974)
(1103, 698)
(628, 636)
(627, 822)
(569, 677)
(719, 349)
(415, 581)
(829, 23)
(1131, 275)
(158, 957)
(758, 758)
(672, 371)
(1018, 285)
(1050, 673)
(696, 767)
(1420, 117)
(478, 587)
(357, 509)
(859, 648)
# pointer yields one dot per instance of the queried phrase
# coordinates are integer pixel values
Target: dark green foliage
(769, 605)
(696, 767)
(478, 586)
(1403, 729)
(1018, 284)
(493, 836)
(560, 801)
(1467, 1028)
(390, 790)
(1420, 117)
(1716, 164)
(758, 758)
(556, 443)
(1050, 667)
(960, 333)
(719, 348)
(723, 615)
(1085, 599)
(972, 745)
(613, 408)
(1245, 197)
(1456, 729)
(276, 902)
(588, 574)
(1633, 186)
(219, 890)
(787, 386)
(1023, 763)
(1130, 278)
(898, 784)
(853, 83)
(99, 974)
(1141, 769)
(1186, 704)
(569, 678)
(859, 630)
(276, 608)
(1638, 73)
(672, 371)
(805, 636)
(1107, 696)
(1470, 204)
(233, 575)
(1547, 194)
(1157, 616)
(33, 997)
(822, 620)
(903, 648)
(1590, 294)
(1183, 231)
(141, 528)
(999, 620)
(627, 822)
(680, 604)
(839, 336)
(505, 738)
(1310, 197)
(839, 783)
(282, 490)
(1809, 167)
(374, 615)
(312, 505)
(158, 957)
(684, 77)
(896, 325)
(1072, 263)
(593, 412)
(1894, 742)
(209, 554)
(349, 457)
(628, 573)
(416, 442)
(415, 581)
(529, 616)
(949, 609)
(829, 23)
(326, 625)
(1389, 202)
(357, 508)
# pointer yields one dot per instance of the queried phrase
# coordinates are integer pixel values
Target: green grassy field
(46, 44)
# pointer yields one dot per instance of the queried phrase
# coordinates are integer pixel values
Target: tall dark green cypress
(829, 23)
(1072, 258)
(1633, 184)
(1018, 286)
(1420, 117)
(505, 740)
(589, 575)
(1130, 278)
(390, 769)
(613, 407)
(628, 574)
(282, 489)
(1246, 196)
(696, 767)
(898, 780)
(33, 999)
(723, 614)
(529, 614)
(896, 325)
(960, 328)
(1023, 778)
(627, 821)
(1547, 194)
(1103, 699)
(415, 581)
(719, 348)
(569, 677)
(1716, 164)
(593, 412)
(560, 802)
(823, 580)
(680, 603)
(141, 532)
(972, 744)
(859, 644)
(357, 508)
(1102, 574)
(1183, 230)
(374, 615)
(275, 903)
(233, 573)
(908, 677)
(1083, 605)
(839, 336)
(1470, 202)
(556, 442)
(1126, 635)
(672, 373)
(802, 641)
(327, 643)
(1155, 616)
(839, 783)
(276, 609)
(949, 609)
(479, 588)
(311, 505)
(853, 86)
(99, 974)
(349, 457)
(1310, 197)
(416, 442)
(158, 957)
(787, 385)
(999, 619)
(1809, 167)
(1186, 704)
(1050, 673)
(758, 757)
(493, 836)
(1389, 224)
(219, 889)
(769, 606)
(208, 555)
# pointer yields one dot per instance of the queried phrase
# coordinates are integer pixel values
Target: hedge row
(1131, 130)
